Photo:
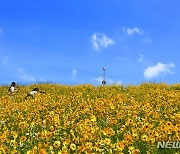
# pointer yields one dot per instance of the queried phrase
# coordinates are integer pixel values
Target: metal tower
(103, 76)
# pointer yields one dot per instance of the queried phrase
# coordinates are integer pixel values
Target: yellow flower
(131, 148)
(23, 125)
(50, 148)
(81, 148)
(120, 145)
(109, 131)
(136, 151)
(88, 145)
(23, 138)
(144, 138)
(57, 144)
(107, 141)
(42, 151)
(93, 118)
(34, 150)
(15, 135)
(29, 152)
(128, 139)
(63, 152)
(73, 146)
(32, 124)
(14, 151)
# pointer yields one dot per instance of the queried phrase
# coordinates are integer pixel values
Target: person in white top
(33, 92)
(12, 88)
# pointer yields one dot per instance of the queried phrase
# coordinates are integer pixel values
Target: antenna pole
(103, 74)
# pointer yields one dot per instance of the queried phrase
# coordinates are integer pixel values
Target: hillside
(88, 119)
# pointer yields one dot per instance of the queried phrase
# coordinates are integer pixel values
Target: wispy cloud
(4, 60)
(99, 79)
(100, 41)
(24, 76)
(132, 31)
(141, 58)
(147, 40)
(17, 71)
(1, 31)
(159, 69)
(74, 73)
(110, 81)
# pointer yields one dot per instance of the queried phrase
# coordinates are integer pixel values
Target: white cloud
(100, 41)
(4, 60)
(141, 58)
(1, 31)
(147, 40)
(132, 31)
(99, 79)
(74, 73)
(159, 69)
(16, 71)
(25, 76)
(110, 81)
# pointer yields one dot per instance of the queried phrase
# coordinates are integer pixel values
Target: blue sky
(69, 41)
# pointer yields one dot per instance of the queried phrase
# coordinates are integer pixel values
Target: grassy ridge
(88, 119)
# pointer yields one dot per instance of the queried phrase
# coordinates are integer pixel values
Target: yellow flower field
(89, 119)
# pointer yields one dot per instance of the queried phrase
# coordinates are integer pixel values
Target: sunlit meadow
(90, 119)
